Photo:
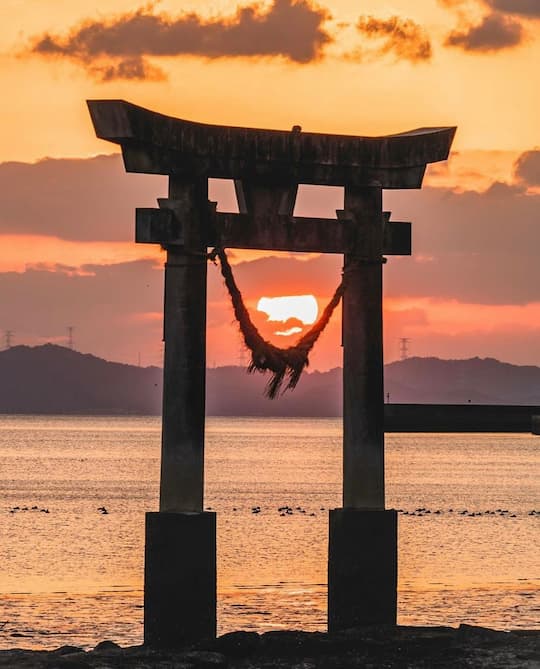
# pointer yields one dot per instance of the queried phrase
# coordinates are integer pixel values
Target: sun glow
(303, 308)
(289, 332)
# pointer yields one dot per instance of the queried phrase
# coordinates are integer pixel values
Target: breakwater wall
(461, 418)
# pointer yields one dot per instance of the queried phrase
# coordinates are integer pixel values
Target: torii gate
(267, 166)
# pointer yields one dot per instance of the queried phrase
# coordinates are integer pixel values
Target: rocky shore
(368, 648)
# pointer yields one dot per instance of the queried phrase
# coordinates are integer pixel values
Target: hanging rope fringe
(284, 363)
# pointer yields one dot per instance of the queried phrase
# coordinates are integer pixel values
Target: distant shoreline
(446, 418)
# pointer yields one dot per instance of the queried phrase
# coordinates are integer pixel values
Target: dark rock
(137, 651)
(17, 658)
(238, 644)
(202, 659)
(293, 643)
(107, 647)
(67, 650)
(471, 631)
(74, 661)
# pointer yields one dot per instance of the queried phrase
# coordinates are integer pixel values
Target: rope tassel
(285, 364)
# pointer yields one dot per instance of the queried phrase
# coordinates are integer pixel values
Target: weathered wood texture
(156, 144)
(277, 233)
(363, 401)
(184, 369)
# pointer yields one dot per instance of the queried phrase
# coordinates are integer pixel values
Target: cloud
(483, 246)
(402, 37)
(528, 8)
(493, 33)
(527, 168)
(130, 68)
(500, 28)
(75, 199)
(117, 48)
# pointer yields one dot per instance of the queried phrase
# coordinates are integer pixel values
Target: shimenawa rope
(284, 363)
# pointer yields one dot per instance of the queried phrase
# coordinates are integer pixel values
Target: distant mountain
(478, 380)
(51, 379)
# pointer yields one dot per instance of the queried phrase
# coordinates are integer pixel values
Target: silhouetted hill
(231, 391)
(480, 380)
(51, 379)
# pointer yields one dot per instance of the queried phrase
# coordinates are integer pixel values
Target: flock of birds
(283, 510)
(289, 511)
(15, 509)
(464, 512)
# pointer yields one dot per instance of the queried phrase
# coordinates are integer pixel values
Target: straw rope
(285, 364)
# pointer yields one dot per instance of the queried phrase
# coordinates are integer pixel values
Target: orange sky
(67, 255)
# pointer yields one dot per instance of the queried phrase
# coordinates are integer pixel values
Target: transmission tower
(242, 355)
(404, 348)
(70, 329)
(8, 338)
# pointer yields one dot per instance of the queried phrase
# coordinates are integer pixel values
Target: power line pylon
(8, 339)
(404, 348)
(70, 329)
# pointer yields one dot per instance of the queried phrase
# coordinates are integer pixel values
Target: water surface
(74, 574)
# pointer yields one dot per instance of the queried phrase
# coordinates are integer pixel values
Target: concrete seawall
(461, 418)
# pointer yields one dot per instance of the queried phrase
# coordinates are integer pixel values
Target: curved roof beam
(157, 144)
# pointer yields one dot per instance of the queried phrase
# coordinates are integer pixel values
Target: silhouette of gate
(267, 167)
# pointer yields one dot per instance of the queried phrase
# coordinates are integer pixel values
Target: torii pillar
(267, 166)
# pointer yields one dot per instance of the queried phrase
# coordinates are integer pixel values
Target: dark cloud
(493, 33)
(527, 168)
(402, 37)
(130, 68)
(502, 190)
(75, 199)
(478, 248)
(528, 8)
(116, 49)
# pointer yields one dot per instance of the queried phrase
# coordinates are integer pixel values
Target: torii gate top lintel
(153, 143)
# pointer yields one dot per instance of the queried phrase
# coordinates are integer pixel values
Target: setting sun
(303, 308)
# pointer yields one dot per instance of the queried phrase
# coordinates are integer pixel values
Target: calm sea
(74, 574)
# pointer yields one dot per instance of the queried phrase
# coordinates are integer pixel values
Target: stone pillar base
(179, 579)
(362, 568)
